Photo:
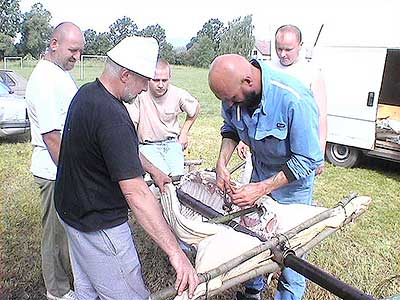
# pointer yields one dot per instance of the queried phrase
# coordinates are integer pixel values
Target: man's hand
(250, 193)
(247, 194)
(185, 273)
(183, 140)
(242, 149)
(319, 170)
(223, 178)
(160, 179)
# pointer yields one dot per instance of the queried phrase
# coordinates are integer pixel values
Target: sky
(182, 19)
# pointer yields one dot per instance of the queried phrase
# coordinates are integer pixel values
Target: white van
(362, 77)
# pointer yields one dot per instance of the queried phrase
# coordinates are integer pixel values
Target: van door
(353, 77)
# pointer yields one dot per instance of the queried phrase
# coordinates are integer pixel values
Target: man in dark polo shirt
(100, 175)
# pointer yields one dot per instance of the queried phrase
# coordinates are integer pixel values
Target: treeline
(33, 29)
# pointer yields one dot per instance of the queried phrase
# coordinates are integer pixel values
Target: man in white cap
(100, 175)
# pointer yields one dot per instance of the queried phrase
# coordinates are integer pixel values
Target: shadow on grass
(385, 167)
(15, 139)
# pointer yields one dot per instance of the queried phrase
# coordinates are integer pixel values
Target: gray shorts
(105, 264)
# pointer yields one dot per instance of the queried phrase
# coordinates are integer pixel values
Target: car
(13, 114)
(14, 81)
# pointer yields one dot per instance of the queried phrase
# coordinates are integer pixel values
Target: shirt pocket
(169, 115)
(279, 131)
(273, 145)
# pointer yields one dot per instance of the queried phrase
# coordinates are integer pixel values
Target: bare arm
(242, 150)
(319, 91)
(149, 215)
(250, 193)
(52, 141)
(183, 136)
(160, 178)
(225, 154)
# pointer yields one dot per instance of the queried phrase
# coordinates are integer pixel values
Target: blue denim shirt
(282, 134)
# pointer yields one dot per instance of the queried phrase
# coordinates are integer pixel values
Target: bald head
(231, 78)
(64, 30)
(288, 41)
(66, 45)
(289, 29)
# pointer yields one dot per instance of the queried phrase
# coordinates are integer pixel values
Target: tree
(180, 55)
(201, 53)
(96, 43)
(212, 29)
(35, 30)
(168, 53)
(10, 17)
(238, 37)
(157, 32)
(90, 41)
(103, 44)
(122, 28)
(7, 47)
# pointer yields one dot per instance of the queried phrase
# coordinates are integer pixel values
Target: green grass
(364, 254)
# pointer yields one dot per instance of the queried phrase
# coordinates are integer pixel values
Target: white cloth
(217, 244)
(48, 94)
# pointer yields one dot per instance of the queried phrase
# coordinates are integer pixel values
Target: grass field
(365, 254)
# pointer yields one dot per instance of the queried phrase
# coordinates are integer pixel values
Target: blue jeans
(291, 285)
(166, 155)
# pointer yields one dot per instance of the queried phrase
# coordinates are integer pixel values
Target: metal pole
(324, 279)
(319, 33)
(211, 213)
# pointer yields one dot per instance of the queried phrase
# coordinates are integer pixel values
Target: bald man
(49, 92)
(288, 44)
(276, 116)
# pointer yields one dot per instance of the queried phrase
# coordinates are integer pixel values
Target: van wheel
(342, 156)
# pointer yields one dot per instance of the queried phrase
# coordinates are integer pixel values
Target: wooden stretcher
(270, 252)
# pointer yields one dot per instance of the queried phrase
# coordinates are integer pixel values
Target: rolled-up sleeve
(304, 140)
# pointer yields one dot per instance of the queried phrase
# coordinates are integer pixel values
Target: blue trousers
(291, 285)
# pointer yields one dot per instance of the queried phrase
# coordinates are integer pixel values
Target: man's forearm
(52, 141)
(148, 213)
(189, 122)
(273, 183)
(147, 165)
(227, 148)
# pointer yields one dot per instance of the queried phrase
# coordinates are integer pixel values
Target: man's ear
(53, 44)
(247, 80)
(124, 75)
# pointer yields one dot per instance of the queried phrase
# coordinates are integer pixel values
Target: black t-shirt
(99, 148)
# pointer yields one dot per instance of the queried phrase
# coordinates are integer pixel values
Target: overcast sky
(182, 19)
